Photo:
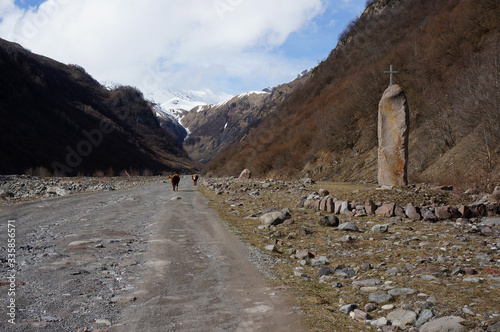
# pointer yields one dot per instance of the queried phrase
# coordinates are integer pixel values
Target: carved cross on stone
(391, 72)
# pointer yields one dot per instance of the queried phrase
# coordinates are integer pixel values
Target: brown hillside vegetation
(215, 128)
(447, 53)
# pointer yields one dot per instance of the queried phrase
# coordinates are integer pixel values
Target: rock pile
(386, 266)
(14, 188)
(488, 205)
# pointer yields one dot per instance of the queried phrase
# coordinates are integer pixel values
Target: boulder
(330, 206)
(412, 212)
(273, 218)
(429, 215)
(347, 226)
(245, 174)
(448, 323)
(344, 208)
(386, 210)
(442, 212)
(323, 192)
(464, 211)
(401, 318)
(322, 204)
(329, 221)
(380, 228)
(370, 207)
(380, 297)
(57, 191)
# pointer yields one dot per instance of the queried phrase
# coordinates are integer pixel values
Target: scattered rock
(402, 318)
(348, 308)
(380, 297)
(425, 316)
(380, 228)
(386, 210)
(448, 323)
(273, 218)
(347, 226)
(401, 291)
(329, 221)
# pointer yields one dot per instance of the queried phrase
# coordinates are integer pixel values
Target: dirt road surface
(132, 260)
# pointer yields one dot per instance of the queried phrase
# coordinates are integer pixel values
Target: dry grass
(443, 246)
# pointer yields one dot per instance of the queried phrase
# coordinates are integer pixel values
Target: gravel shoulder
(140, 259)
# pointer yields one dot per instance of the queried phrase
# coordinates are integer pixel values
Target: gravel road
(132, 260)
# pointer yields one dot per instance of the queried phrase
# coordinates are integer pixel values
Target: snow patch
(253, 93)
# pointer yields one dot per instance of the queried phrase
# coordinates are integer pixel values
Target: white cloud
(190, 44)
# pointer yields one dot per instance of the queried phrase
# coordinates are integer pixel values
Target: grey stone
(483, 258)
(428, 215)
(393, 130)
(346, 238)
(401, 291)
(57, 191)
(360, 314)
(344, 208)
(402, 318)
(382, 321)
(448, 323)
(380, 228)
(345, 272)
(369, 307)
(425, 315)
(347, 226)
(491, 221)
(467, 311)
(366, 283)
(324, 271)
(348, 308)
(329, 221)
(273, 218)
(380, 297)
(321, 261)
(271, 247)
(494, 328)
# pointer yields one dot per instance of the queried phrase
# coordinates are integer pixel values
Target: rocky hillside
(57, 118)
(214, 128)
(447, 53)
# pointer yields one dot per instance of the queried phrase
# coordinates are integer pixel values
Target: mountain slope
(214, 128)
(58, 117)
(447, 53)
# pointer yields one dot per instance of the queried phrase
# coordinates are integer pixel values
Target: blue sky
(28, 3)
(228, 46)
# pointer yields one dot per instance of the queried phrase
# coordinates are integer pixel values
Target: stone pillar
(393, 130)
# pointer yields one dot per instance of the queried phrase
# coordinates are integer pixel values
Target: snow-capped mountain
(176, 104)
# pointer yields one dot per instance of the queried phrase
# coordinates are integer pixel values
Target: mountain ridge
(57, 117)
(214, 128)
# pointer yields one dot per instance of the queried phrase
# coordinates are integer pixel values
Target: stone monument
(393, 130)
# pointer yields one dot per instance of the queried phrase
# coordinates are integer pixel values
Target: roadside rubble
(421, 259)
